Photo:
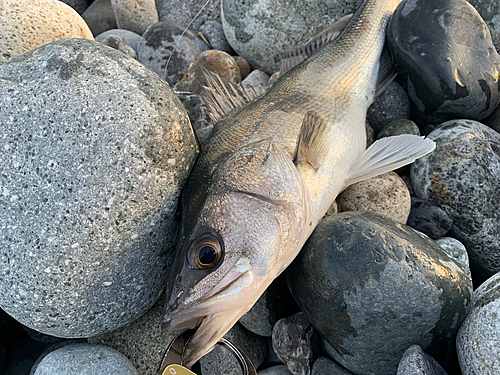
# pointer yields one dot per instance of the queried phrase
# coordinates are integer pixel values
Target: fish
(273, 166)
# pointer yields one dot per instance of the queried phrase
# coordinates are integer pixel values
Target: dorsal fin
(221, 96)
(386, 72)
(313, 141)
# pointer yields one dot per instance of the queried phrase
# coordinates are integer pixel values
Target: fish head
(245, 232)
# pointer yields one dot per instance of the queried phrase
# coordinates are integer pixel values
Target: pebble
(478, 339)
(457, 250)
(198, 115)
(78, 5)
(256, 78)
(160, 40)
(213, 31)
(184, 11)
(490, 12)
(428, 218)
(94, 150)
(131, 38)
(85, 359)
(385, 194)
(272, 358)
(373, 287)
(120, 44)
(215, 61)
(135, 15)
(259, 30)
(416, 362)
(29, 24)
(461, 177)
(243, 65)
(275, 370)
(325, 366)
(449, 39)
(398, 127)
(100, 17)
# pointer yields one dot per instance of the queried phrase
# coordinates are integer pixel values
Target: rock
(324, 366)
(334, 208)
(29, 24)
(256, 78)
(386, 194)
(272, 358)
(428, 218)
(478, 339)
(215, 61)
(490, 12)
(296, 343)
(493, 120)
(261, 30)
(94, 150)
(164, 39)
(213, 31)
(393, 104)
(461, 177)
(275, 370)
(373, 287)
(445, 55)
(399, 127)
(100, 17)
(85, 359)
(198, 115)
(120, 44)
(184, 11)
(78, 5)
(457, 250)
(135, 15)
(41, 337)
(416, 362)
(131, 38)
(407, 180)
(496, 42)
(370, 134)
(243, 65)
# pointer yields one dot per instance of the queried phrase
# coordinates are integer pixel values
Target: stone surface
(94, 150)
(261, 30)
(85, 359)
(164, 39)
(325, 366)
(198, 115)
(271, 356)
(461, 177)
(446, 58)
(457, 250)
(54, 346)
(416, 362)
(41, 337)
(490, 12)
(496, 42)
(256, 78)
(135, 15)
(373, 287)
(493, 120)
(213, 31)
(428, 218)
(407, 180)
(275, 370)
(78, 5)
(398, 127)
(100, 17)
(386, 194)
(28, 24)
(128, 36)
(184, 11)
(120, 44)
(243, 65)
(478, 339)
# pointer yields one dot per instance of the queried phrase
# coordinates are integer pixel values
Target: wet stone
(256, 78)
(428, 218)
(324, 366)
(184, 11)
(373, 287)
(275, 370)
(213, 31)
(457, 250)
(119, 44)
(416, 362)
(100, 17)
(131, 38)
(445, 56)
(399, 127)
(135, 15)
(198, 115)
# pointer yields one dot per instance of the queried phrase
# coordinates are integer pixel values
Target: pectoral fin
(313, 140)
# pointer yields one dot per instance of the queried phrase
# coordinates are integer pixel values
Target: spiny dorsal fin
(313, 141)
(388, 154)
(386, 72)
(221, 96)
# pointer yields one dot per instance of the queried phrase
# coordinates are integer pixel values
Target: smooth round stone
(131, 38)
(271, 356)
(215, 61)
(461, 177)
(393, 104)
(164, 39)
(416, 362)
(445, 55)
(94, 151)
(478, 339)
(457, 250)
(428, 219)
(386, 194)
(135, 15)
(275, 370)
(490, 12)
(78, 5)
(373, 287)
(198, 115)
(85, 359)
(261, 30)
(324, 366)
(29, 24)
(243, 65)
(256, 78)
(54, 346)
(184, 12)
(213, 31)
(119, 44)
(399, 127)
(100, 17)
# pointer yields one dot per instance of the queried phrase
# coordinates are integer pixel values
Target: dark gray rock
(490, 12)
(272, 358)
(407, 180)
(393, 104)
(213, 31)
(478, 339)
(41, 337)
(416, 362)
(493, 120)
(100, 17)
(398, 127)
(428, 218)
(457, 250)
(444, 53)
(373, 287)
(119, 44)
(85, 359)
(325, 366)
(461, 177)
(184, 11)
(94, 151)
(131, 38)
(78, 5)
(275, 370)
(164, 39)
(496, 42)
(260, 30)
(198, 115)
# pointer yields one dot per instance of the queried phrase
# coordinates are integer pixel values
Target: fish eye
(207, 252)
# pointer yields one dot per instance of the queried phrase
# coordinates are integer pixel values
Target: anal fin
(313, 140)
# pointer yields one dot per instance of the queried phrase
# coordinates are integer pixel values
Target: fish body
(268, 175)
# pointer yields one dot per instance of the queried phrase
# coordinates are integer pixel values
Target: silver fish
(270, 172)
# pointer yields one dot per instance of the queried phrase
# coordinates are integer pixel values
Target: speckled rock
(444, 53)
(398, 127)
(128, 36)
(325, 366)
(393, 104)
(461, 177)
(260, 30)
(55, 346)
(457, 250)
(243, 65)
(135, 15)
(100, 17)
(78, 5)
(416, 362)
(490, 12)
(275, 370)
(213, 31)
(215, 61)
(386, 194)
(198, 115)
(428, 218)
(164, 39)
(184, 11)
(373, 287)
(95, 148)
(256, 78)
(85, 359)
(28, 24)
(120, 44)
(478, 339)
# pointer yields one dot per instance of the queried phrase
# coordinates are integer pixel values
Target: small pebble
(135, 15)
(213, 31)
(256, 78)
(457, 250)
(416, 362)
(100, 17)
(325, 366)
(334, 208)
(183, 12)
(428, 218)
(243, 65)
(120, 44)
(398, 127)
(393, 104)
(131, 38)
